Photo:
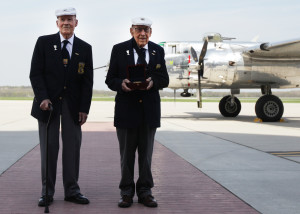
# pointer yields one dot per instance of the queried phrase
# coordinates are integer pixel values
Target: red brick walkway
(179, 187)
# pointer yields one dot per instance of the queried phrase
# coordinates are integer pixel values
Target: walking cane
(46, 196)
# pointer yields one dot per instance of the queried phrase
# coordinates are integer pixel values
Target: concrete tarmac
(258, 162)
(238, 152)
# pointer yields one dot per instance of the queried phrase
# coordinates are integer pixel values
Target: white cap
(141, 21)
(70, 11)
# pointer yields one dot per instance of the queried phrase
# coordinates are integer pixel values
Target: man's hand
(82, 118)
(150, 83)
(45, 104)
(124, 86)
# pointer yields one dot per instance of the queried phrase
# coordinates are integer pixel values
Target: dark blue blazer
(50, 81)
(133, 107)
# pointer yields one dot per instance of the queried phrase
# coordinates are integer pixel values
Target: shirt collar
(146, 47)
(71, 40)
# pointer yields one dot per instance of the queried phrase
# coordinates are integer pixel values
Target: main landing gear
(269, 108)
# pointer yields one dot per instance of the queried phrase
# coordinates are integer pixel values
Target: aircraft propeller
(201, 70)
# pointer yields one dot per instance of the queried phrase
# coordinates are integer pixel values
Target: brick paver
(179, 187)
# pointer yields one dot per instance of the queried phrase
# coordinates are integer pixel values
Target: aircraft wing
(286, 50)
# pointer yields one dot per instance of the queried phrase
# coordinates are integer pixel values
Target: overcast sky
(105, 23)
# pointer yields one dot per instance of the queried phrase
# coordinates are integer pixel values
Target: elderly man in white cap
(137, 71)
(61, 75)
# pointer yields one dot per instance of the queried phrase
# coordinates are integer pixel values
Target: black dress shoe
(78, 199)
(42, 201)
(148, 201)
(125, 201)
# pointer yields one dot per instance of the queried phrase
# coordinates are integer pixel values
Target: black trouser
(71, 142)
(130, 140)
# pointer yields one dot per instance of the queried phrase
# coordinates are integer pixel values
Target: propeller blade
(203, 51)
(194, 54)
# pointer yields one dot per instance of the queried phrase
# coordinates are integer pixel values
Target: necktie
(142, 57)
(65, 53)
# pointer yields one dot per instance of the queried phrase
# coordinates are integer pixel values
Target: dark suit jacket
(132, 107)
(49, 80)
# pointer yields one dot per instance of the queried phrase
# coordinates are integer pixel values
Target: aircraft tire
(269, 108)
(228, 110)
(185, 94)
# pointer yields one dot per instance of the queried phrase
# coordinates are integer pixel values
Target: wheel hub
(271, 109)
(231, 107)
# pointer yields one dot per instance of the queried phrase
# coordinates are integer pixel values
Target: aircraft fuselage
(232, 65)
(227, 66)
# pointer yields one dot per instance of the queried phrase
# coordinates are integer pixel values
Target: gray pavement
(18, 132)
(235, 152)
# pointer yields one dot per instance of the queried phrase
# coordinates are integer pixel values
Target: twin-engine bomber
(220, 63)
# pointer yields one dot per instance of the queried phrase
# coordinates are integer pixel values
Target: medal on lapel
(65, 62)
(81, 68)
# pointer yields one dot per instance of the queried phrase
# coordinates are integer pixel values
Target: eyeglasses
(140, 29)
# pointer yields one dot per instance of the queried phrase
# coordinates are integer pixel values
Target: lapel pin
(55, 47)
(77, 54)
(127, 52)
